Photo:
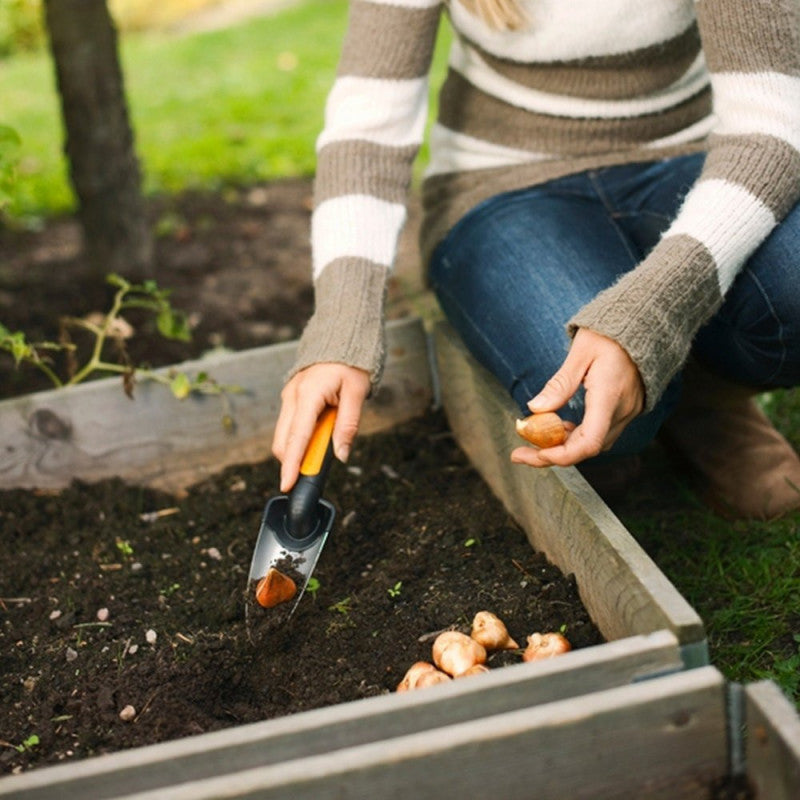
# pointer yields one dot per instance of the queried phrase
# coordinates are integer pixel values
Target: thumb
(559, 389)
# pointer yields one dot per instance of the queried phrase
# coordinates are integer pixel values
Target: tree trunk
(104, 169)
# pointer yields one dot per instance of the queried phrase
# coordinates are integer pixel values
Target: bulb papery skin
(431, 678)
(475, 669)
(275, 588)
(545, 645)
(542, 430)
(413, 675)
(490, 631)
(455, 652)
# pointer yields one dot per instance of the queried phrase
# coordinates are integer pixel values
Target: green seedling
(312, 587)
(341, 606)
(470, 542)
(108, 331)
(394, 591)
(28, 744)
(124, 547)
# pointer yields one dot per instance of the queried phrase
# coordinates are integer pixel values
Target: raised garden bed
(636, 624)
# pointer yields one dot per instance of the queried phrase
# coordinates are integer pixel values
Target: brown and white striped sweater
(586, 84)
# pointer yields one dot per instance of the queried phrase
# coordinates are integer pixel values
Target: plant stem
(95, 362)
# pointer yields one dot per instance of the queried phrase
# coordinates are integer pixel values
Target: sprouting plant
(124, 547)
(394, 591)
(470, 542)
(313, 586)
(28, 743)
(170, 590)
(111, 329)
(341, 606)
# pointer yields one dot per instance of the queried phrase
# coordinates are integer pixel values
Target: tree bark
(99, 142)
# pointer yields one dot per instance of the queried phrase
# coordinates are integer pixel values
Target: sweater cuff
(654, 311)
(347, 326)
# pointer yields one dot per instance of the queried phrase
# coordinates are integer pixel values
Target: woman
(610, 211)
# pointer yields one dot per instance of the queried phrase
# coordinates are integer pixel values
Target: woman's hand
(614, 396)
(302, 401)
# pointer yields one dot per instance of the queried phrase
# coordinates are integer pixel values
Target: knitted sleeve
(375, 120)
(750, 180)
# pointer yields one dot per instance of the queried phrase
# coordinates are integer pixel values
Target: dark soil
(419, 544)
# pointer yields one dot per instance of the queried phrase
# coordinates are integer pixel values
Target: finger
(299, 435)
(283, 425)
(348, 417)
(562, 385)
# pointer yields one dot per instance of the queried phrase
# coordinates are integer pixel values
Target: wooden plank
(621, 587)
(662, 739)
(353, 724)
(93, 431)
(773, 742)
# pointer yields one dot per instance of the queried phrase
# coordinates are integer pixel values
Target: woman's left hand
(614, 396)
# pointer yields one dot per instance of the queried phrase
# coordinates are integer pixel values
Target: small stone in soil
(127, 714)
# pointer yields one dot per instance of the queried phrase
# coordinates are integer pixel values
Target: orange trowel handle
(303, 512)
(319, 446)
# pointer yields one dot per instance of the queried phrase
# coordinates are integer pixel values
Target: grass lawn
(239, 105)
(245, 104)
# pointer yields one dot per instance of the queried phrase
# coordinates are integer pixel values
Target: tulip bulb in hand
(542, 430)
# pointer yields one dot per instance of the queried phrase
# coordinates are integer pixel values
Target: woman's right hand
(302, 401)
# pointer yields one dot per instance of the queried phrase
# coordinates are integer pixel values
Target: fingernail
(537, 403)
(342, 452)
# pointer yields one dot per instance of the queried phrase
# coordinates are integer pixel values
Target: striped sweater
(586, 84)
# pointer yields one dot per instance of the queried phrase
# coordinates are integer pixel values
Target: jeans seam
(613, 216)
(781, 336)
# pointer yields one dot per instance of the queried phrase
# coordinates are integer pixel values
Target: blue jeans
(511, 273)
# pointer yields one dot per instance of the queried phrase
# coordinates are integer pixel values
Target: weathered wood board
(93, 431)
(621, 587)
(384, 719)
(773, 742)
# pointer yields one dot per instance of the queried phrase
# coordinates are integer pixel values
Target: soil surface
(107, 604)
(117, 596)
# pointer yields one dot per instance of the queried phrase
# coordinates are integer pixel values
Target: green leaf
(173, 324)
(180, 385)
(117, 280)
(16, 344)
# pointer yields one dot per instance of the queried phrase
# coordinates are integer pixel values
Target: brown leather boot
(743, 466)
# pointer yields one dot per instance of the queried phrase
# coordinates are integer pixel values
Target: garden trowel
(293, 531)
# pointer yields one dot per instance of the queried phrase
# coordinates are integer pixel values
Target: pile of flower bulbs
(456, 655)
